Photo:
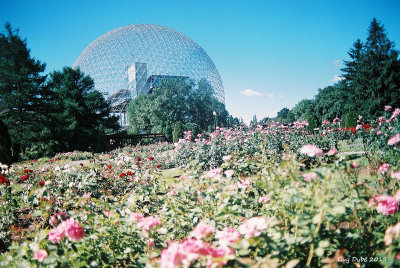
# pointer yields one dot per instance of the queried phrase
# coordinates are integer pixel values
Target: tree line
(41, 115)
(177, 105)
(370, 81)
(44, 114)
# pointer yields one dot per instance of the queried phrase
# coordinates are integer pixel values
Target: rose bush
(275, 195)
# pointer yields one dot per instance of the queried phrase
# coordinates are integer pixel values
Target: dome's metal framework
(130, 60)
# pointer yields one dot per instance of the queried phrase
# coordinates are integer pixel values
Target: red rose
(151, 158)
(129, 173)
(25, 177)
(42, 183)
(138, 159)
(122, 175)
(3, 179)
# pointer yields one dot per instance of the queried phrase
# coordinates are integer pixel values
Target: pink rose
(332, 151)
(220, 256)
(57, 234)
(384, 168)
(264, 199)
(388, 108)
(216, 172)
(386, 205)
(73, 230)
(354, 165)
(311, 150)
(172, 256)
(202, 230)
(148, 223)
(395, 175)
(243, 183)
(394, 140)
(253, 227)
(227, 236)
(310, 176)
(40, 255)
(135, 217)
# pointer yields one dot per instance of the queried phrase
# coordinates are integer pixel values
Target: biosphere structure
(133, 59)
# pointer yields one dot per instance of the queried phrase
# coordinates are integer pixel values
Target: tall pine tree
(23, 97)
(372, 75)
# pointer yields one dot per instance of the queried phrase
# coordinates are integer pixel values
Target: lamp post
(215, 120)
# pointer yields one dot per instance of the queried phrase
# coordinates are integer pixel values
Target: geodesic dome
(130, 60)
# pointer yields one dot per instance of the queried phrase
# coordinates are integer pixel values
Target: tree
(81, 114)
(177, 132)
(303, 109)
(331, 102)
(23, 96)
(176, 100)
(351, 118)
(373, 74)
(254, 121)
(5, 144)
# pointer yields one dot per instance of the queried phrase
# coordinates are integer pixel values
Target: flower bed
(276, 195)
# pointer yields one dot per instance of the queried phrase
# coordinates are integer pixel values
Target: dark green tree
(24, 100)
(373, 73)
(303, 109)
(82, 115)
(331, 102)
(176, 100)
(351, 118)
(5, 144)
(177, 133)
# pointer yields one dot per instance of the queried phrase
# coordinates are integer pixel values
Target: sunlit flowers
(227, 236)
(332, 152)
(394, 140)
(69, 228)
(252, 227)
(385, 204)
(148, 223)
(40, 255)
(311, 150)
(243, 183)
(384, 168)
(202, 230)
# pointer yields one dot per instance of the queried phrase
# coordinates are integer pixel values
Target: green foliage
(177, 132)
(175, 100)
(371, 80)
(351, 118)
(312, 124)
(81, 113)
(23, 96)
(5, 144)
(372, 75)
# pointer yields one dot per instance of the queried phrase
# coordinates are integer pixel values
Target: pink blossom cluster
(252, 227)
(69, 228)
(184, 253)
(145, 223)
(243, 183)
(393, 232)
(332, 152)
(227, 236)
(202, 230)
(264, 199)
(310, 176)
(394, 140)
(384, 168)
(311, 150)
(395, 114)
(40, 255)
(385, 204)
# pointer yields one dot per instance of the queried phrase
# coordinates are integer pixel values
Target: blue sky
(270, 54)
